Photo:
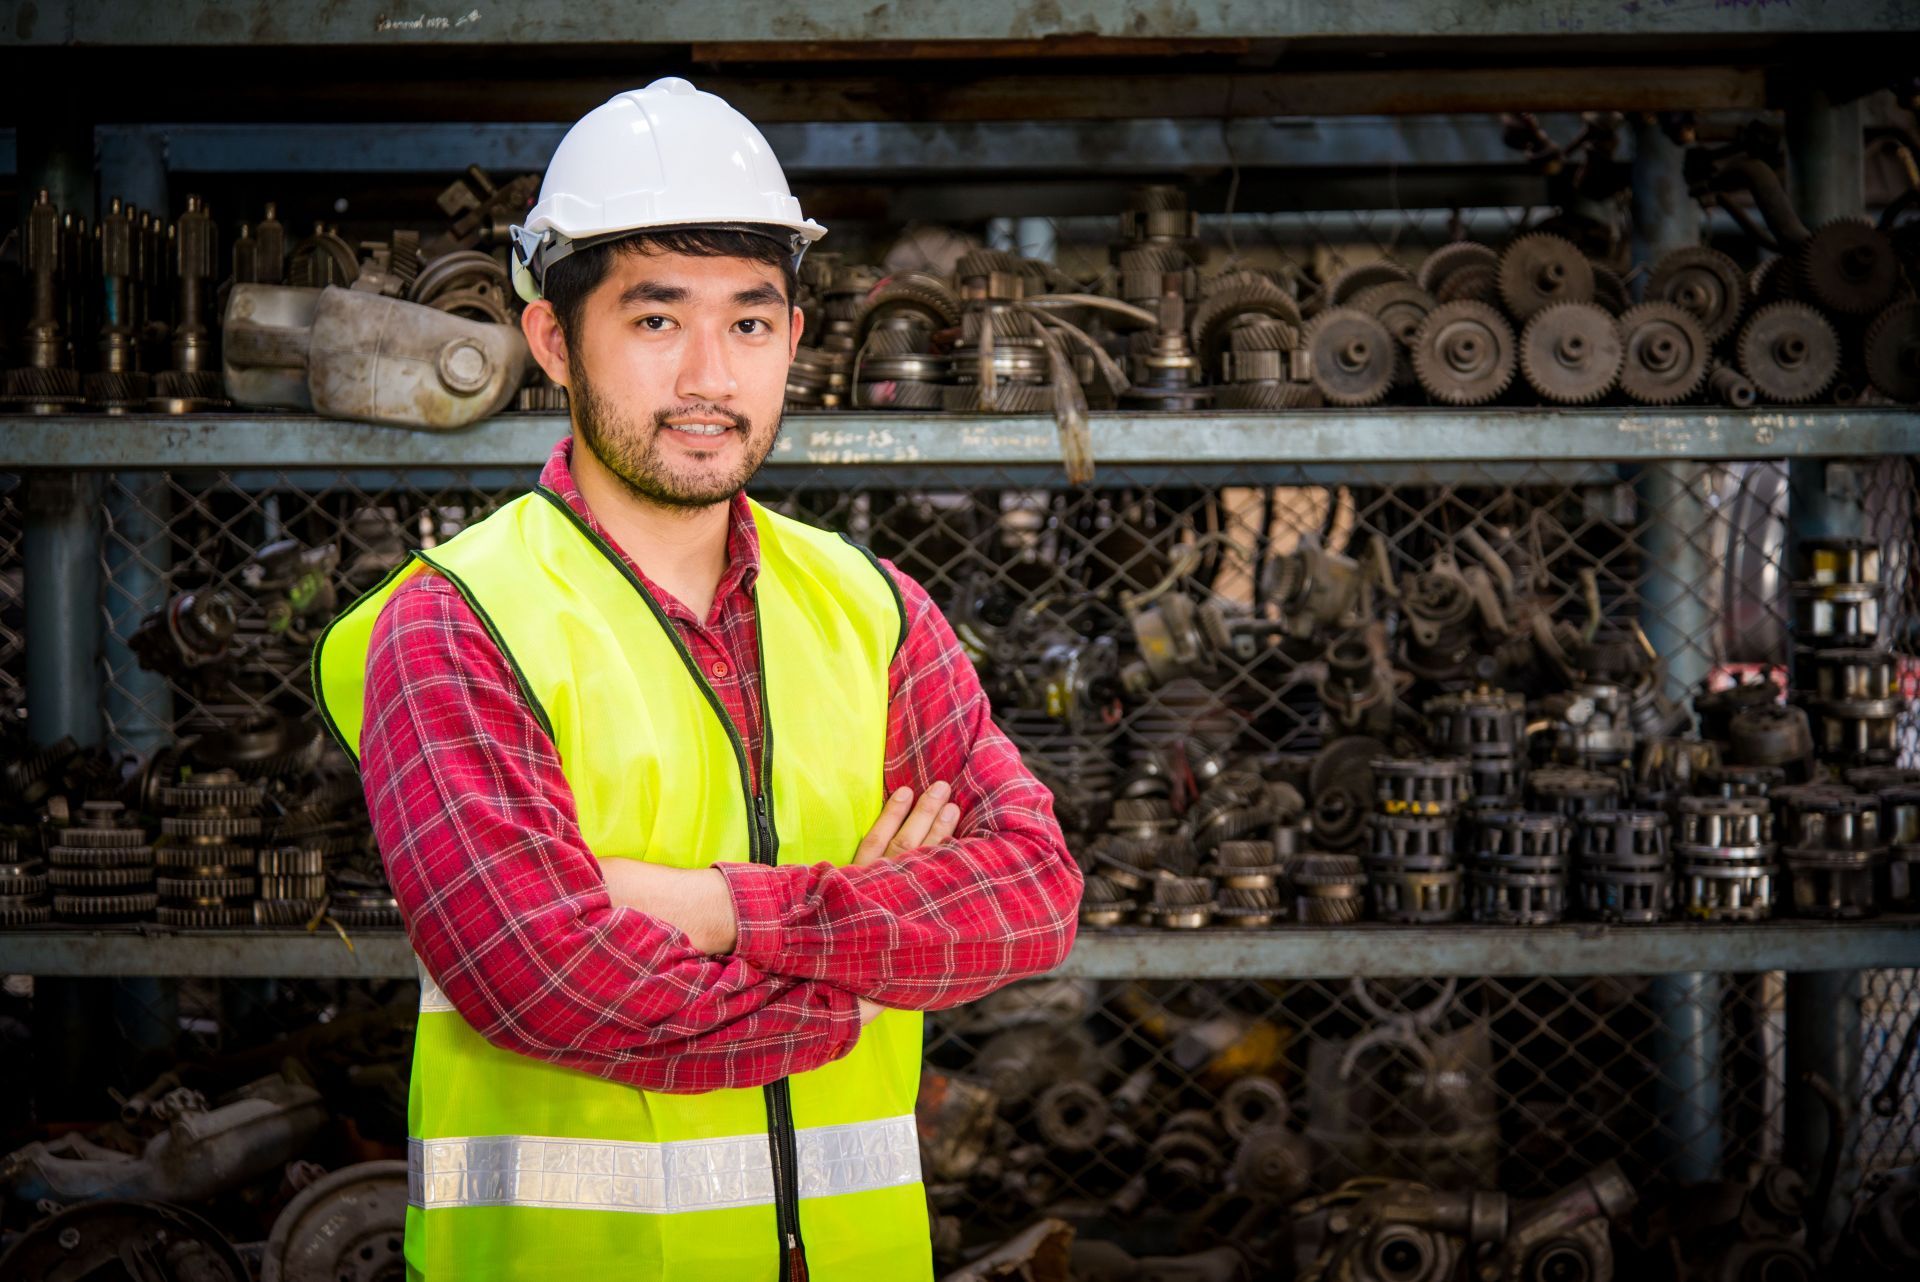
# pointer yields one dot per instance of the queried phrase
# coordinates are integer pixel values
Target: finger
(943, 825)
(913, 833)
(874, 845)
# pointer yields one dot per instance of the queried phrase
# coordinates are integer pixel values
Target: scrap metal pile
(1481, 761)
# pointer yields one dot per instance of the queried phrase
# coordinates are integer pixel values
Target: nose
(706, 372)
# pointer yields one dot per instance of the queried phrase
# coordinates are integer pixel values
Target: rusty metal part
(1790, 351)
(1882, 1240)
(1443, 262)
(151, 1241)
(346, 1227)
(1773, 735)
(1236, 304)
(1351, 357)
(1402, 307)
(1571, 353)
(1348, 283)
(1726, 384)
(45, 383)
(1572, 790)
(1478, 723)
(1541, 269)
(1706, 283)
(1413, 840)
(1181, 903)
(1566, 1236)
(1666, 354)
(1848, 266)
(1105, 903)
(1892, 351)
(1341, 789)
(1409, 894)
(1465, 354)
(1421, 785)
(1328, 889)
(1072, 1116)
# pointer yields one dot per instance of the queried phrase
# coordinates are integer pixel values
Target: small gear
(1464, 354)
(1609, 291)
(210, 825)
(1006, 324)
(206, 887)
(1009, 398)
(1351, 357)
(99, 856)
(895, 340)
(305, 888)
(1347, 283)
(1771, 281)
(1263, 336)
(284, 912)
(984, 262)
(98, 878)
(1401, 306)
(1705, 282)
(1249, 299)
(1848, 266)
(215, 789)
(23, 884)
(291, 861)
(1541, 269)
(223, 917)
(1267, 395)
(103, 907)
(1790, 351)
(1892, 349)
(1443, 262)
(25, 914)
(1476, 283)
(204, 856)
(1570, 353)
(1666, 354)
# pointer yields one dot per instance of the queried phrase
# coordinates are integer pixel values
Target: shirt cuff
(762, 897)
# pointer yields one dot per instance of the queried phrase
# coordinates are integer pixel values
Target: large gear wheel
(1704, 281)
(1790, 351)
(1245, 299)
(1893, 351)
(918, 298)
(1351, 357)
(1348, 282)
(1401, 306)
(1464, 354)
(1474, 283)
(1666, 354)
(1571, 353)
(1263, 336)
(1848, 266)
(1609, 291)
(1448, 259)
(1771, 281)
(1539, 270)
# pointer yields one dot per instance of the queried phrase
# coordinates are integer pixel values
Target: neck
(683, 549)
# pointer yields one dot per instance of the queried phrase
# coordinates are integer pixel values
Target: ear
(545, 338)
(793, 332)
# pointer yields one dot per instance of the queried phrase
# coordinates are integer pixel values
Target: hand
(869, 1011)
(905, 825)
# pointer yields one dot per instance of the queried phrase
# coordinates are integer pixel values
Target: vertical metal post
(1827, 162)
(62, 568)
(138, 551)
(1673, 611)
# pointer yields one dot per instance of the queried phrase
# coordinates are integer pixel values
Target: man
(690, 808)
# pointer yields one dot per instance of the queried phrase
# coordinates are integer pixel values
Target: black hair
(576, 276)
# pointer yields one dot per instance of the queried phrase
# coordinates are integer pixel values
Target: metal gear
(1571, 353)
(1351, 357)
(1893, 351)
(1464, 354)
(1401, 306)
(108, 1239)
(1609, 291)
(1848, 266)
(345, 1227)
(1443, 262)
(1477, 283)
(1790, 351)
(98, 878)
(1347, 283)
(1771, 281)
(103, 907)
(1263, 336)
(1705, 282)
(1247, 299)
(1267, 394)
(210, 792)
(210, 826)
(23, 911)
(1666, 354)
(1542, 269)
(204, 856)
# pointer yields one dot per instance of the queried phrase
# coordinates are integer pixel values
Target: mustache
(740, 421)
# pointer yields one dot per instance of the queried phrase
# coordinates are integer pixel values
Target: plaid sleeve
(945, 924)
(506, 905)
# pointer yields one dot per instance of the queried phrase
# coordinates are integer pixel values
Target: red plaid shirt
(508, 909)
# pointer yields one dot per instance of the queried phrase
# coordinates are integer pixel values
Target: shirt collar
(743, 539)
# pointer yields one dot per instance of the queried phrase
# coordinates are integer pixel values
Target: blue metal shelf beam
(1304, 952)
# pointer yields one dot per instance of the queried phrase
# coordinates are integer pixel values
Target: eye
(753, 325)
(654, 324)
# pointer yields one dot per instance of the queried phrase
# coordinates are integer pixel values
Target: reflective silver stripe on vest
(656, 1178)
(432, 1000)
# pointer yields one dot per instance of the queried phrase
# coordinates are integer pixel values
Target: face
(677, 372)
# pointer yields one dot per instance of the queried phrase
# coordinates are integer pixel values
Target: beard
(628, 449)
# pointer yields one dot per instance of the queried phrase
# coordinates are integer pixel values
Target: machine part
(1715, 708)
(345, 1227)
(1272, 1164)
(1593, 725)
(1835, 885)
(1849, 266)
(1566, 1236)
(201, 1155)
(1402, 307)
(1342, 790)
(1498, 782)
(1329, 890)
(1181, 903)
(1541, 269)
(1892, 351)
(1233, 307)
(1358, 688)
(193, 383)
(1315, 590)
(1899, 811)
(1471, 284)
(1421, 785)
(1520, 834)
(149, 1241)
(1726, 384)
(1350, 282)
(1465, 354)
(1572, 790)
(118, 386)
(1856, 706)
(1351, 357)
(1413, 895)
(1250, 865)
(1610, 290)
(1072, 1116)
(1519, 890)
(1830, 819)
(1479, 723)
(1773, 735)
(1717, 889)
(1442, 625)
(355, 355)
(1628, 836)
(1704, 282)
(1443, 262)
(1249, 907)
(1250, 1104)
(1723, 821)
(1105, 903)
(1666, 354)
(1413, 840)
(46, 383)
(1882, 1240)
(1571, 353)
(1790, 351)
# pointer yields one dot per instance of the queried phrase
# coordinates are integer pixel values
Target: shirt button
(719, 669)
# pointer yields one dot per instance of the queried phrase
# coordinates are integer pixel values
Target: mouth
(707, 430)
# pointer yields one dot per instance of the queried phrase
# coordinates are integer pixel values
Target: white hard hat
(667, 156)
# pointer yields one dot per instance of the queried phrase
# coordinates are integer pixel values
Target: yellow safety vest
(519, 1169)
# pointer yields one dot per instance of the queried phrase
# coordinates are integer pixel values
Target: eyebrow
(648, 291)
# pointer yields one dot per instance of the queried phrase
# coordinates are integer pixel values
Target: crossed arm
(546, 954)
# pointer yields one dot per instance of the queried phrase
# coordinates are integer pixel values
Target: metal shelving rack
(1584, 54)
